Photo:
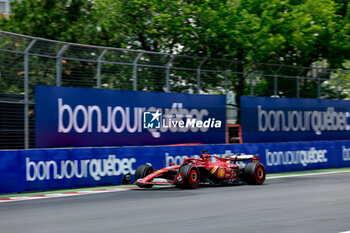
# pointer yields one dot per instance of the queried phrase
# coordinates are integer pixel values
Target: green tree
(66, 20)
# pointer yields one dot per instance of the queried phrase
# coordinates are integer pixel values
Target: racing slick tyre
(254, 173)
(191, 176)
(143, 171)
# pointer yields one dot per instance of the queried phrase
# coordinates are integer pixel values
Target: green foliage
(66, 20)
(338, 85)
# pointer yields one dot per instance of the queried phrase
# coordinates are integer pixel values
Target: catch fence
(28, 61)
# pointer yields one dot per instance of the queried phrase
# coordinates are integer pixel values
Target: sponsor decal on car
(221, 173)
(213, 170)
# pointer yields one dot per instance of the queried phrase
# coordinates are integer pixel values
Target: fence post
(275, 85)
(298, 86)
(168, 66)
(318, 85)
(337, 86)
(298, 81)
(99, 68)
(199, 75)
(134, 71)
(251, 84)
(227, 70)
(26, 94)
(226, 81)
(59, 64)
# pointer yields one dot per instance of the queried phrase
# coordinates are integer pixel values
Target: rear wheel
(143, 171)
(254, 173)
(191, 176)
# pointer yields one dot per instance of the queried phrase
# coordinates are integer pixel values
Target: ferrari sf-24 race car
(205, 170)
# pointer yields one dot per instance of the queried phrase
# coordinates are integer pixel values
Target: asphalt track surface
(319, 203)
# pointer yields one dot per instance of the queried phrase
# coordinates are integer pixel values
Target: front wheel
(141, 172)
(191, 176)
(254, 173)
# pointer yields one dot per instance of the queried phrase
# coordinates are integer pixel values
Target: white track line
(67, 194)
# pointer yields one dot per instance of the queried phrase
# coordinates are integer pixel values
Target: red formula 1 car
(206, 170)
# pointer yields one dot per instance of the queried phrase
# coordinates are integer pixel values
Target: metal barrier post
(275, 85)
(99, 68)
(251, 84)
(26, 94)
(298, 81)
(199, 75)
(59, 64)
(168, 65)
(298, 86)
(134, 73)
(226, 81)
(227, 70)
(337, 84)
(318, 84)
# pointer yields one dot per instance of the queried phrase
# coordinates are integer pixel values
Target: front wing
(164, 176)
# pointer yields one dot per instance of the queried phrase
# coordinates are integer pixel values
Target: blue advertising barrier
(45, 169)
(83, 117)
(266, 119)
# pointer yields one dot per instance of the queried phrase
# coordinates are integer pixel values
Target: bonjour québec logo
(157, 120)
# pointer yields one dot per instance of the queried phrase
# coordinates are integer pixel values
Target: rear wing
(242, 157)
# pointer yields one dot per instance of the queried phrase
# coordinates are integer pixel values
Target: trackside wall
(45, 169)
